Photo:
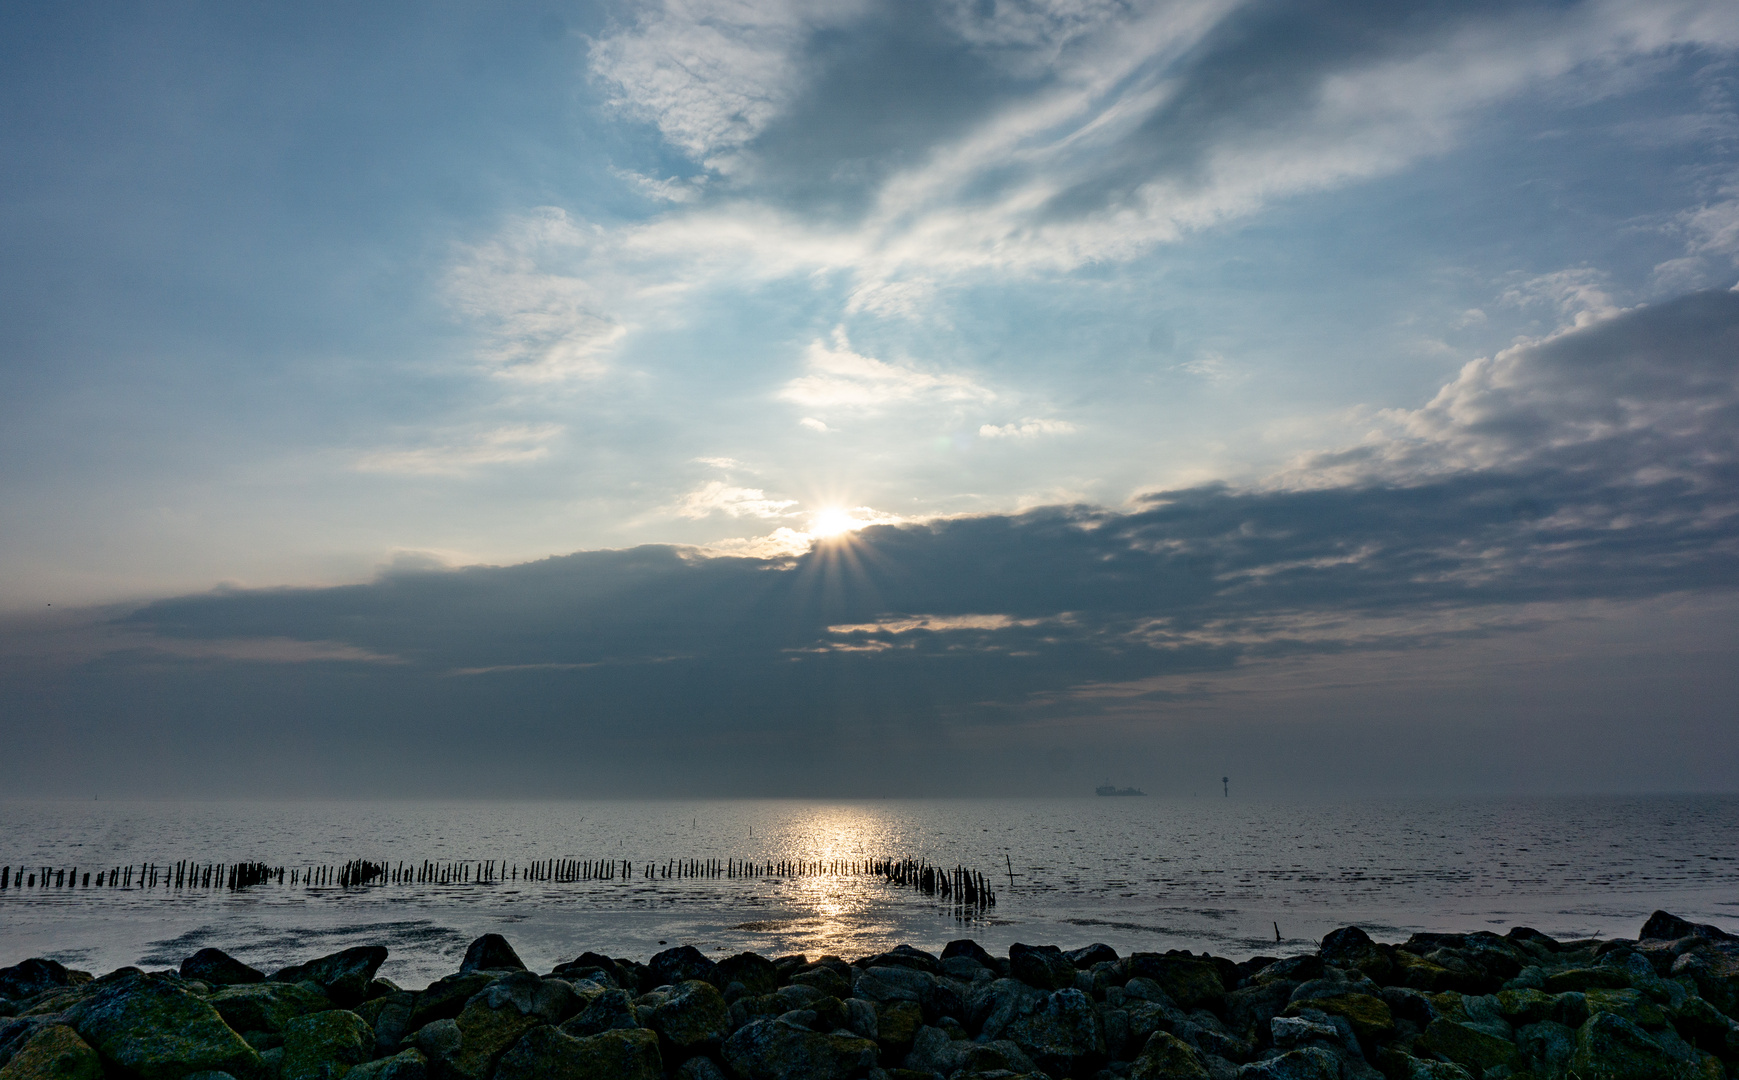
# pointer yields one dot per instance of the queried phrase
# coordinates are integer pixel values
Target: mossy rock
(1369, 1016)
(1469, 1047)
(1629, 1004)
(1166, 1057)
(405, 1065)
(54, 1052)
(486, 1034)
(1585, 979)
(149, 1026)
(1526, 1006)
(1191, 983)
(1609, 1047)
(545, 1054)
(325, 1045)
(267, 1006)
(897, 1022)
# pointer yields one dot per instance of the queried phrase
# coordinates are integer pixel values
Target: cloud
(513, 444)
(1025, 429)
(1586, 480)
(813, 424)
(718, 497)
(837, 377)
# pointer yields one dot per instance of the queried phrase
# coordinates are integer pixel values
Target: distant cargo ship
(1107, 789)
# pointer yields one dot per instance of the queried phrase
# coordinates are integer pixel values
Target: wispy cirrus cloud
(836, 376)
(512, 444)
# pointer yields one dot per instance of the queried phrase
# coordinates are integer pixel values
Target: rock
(933, 996)
(1166, 1057)
(325, 1045)
(905, 956)
(491, 952)
(444, 998)
(999, 1003)
(692, 1019)
(151, 1027)
(1583, 979)
(1041, 966)
(680, 964)
(491, 1025)
(700, 1068)
(390, 1017)
(756, 973)
(1525, 1006)
(1352, 949)
(1467, 1046)
(440, 1039)
(934, 1051)
(1191, 983)
(1292, 969)
(896, 1023)
(589, 964)
(861, 1020)
(53, 1052)
(1369, 1016)
(547, 1054)
(1093, 954)
(549, 1000)
(33, 976)
(1062, 1034)
(1436, 1070)
(1546, 1046)
(1310, 1063)
(973, 951)
(822, 977)
(1708, 1028)
(1664, 927)
(405, 1065)
(777, 1050)
(608, 1011)
(344, 976)
(218, 968)
(1609, 1047)
(266, 1006)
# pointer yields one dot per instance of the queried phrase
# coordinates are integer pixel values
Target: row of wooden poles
(964, 887)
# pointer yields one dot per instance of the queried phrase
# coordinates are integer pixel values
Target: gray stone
(405, 1065)
(1310, 1063)
(444, 998)
(1062, 1034)
(344, 976)
(700, 1068)
(218, 968)
(440, 1039)
(934, 996)
(490, 952)
(755, 972)
(1041, 966)
(993, 1006)
(608, 1011)
(692, 1018)
(153, 1028)
(777, 1050)
(31, 977)
(1609, 1047)
(1166, 1057)
(547, 1054)
(549, 1000)
(325, 1045)
(680, 964)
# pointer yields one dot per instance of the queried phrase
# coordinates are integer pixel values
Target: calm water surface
(1136, 873)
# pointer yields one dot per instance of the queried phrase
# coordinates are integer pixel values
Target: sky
(862, 397)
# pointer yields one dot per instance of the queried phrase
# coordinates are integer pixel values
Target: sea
(1223, 875)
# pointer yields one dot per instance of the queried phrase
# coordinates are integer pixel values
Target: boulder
(1435, 1070)
(896, 1023)
(1166, 1057)
(439, 1040)
(344, 976)
(1190, 983)
(778, 1050)
(756, 973)
(823, 977)
(1041, 966)
(53, 1052)
(973, 951)
(680, 964)
(390, 1017)
(547, 1054)
(1471, 1048)
(1309, 1063)
(1352, 949)
(1546, 1047)
(218, 968)
(325, 1045)
(1664, 927)
(589, 964)
(1092, 954)
(1369, 1015)
(33, 976)
(1609, 1047)
(692, 1019)
(1062, 1034)
(932, 995)
(405, 1065)
(995, 1005)
(904, 956)
(549, 1000)
(266, 1006)
(608, 1011)
(154, 1029)
(490, 952)
(444, 998)
(700, 1068)
(486, 1032)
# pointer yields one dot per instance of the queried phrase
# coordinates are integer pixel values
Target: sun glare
(832, 522)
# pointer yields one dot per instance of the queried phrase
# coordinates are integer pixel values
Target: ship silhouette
(1108, 789)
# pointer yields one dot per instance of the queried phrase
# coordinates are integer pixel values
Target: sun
(832, 521)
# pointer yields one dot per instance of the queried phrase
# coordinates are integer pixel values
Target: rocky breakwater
(1436, 1007)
